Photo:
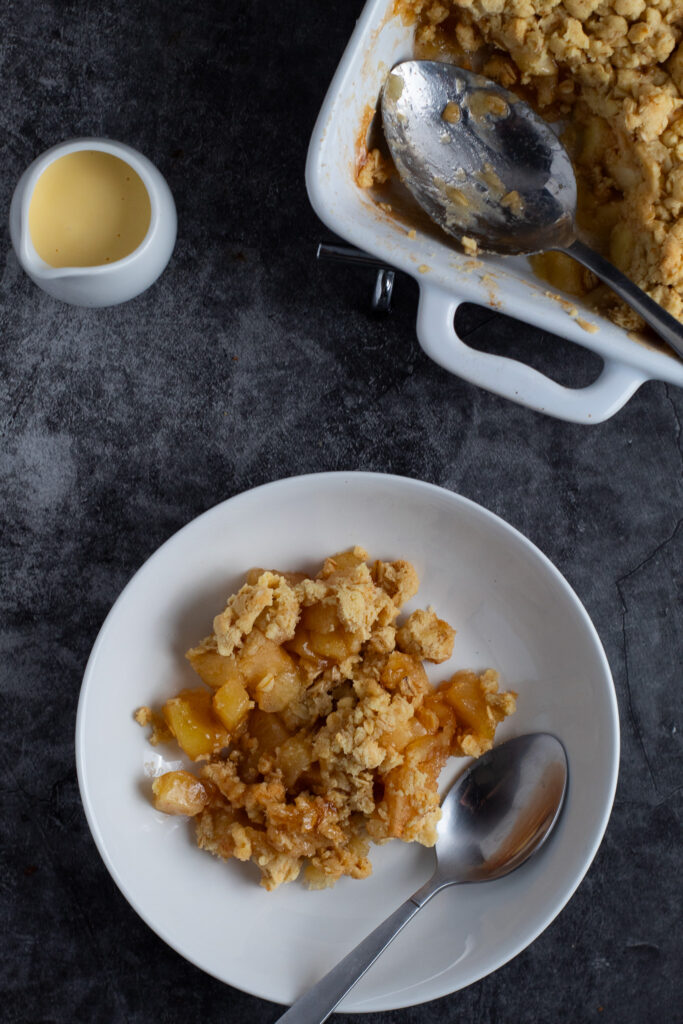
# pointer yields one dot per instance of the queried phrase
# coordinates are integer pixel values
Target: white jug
(109, 283)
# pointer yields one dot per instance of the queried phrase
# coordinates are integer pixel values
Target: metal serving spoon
(481, 163)
(499, 812)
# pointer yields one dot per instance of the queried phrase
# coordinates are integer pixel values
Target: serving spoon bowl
(495, 816)
(485, 167)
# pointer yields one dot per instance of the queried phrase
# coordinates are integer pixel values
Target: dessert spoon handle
(317, 1004)
(666, 326)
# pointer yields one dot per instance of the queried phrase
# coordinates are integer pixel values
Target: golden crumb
(160, 732)
(397, 579)
(451, 113)
(143, 715)
(373, 169)
(426, 636)
(514, 203)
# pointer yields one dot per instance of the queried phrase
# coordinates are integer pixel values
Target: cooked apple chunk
(179, 793)
(191, 719)
(231, 703)
(213, 668)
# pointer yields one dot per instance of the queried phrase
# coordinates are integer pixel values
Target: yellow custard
(88, 208)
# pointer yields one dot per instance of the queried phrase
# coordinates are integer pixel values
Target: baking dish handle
(514, 380)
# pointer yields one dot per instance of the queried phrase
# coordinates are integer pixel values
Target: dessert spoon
(499, 812)
(484, 165)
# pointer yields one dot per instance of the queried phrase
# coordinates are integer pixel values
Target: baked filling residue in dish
(315, 729)
(612, 72)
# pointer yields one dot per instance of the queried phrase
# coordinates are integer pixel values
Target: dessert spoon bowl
(497, 814)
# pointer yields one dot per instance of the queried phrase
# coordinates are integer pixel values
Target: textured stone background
(247, 362)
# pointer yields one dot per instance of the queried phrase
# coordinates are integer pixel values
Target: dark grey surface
(248, 362)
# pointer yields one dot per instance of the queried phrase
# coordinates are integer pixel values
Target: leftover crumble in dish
(612, 70)
(317, 730)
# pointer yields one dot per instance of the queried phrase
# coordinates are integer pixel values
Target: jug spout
(78, 286)
(35, 267)
(50, 279)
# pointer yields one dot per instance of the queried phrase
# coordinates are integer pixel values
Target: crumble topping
(316, 729)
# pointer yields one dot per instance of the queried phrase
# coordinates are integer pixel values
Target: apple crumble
(316, 730)
(612, 72)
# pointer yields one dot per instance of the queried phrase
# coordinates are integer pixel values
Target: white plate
(513, 612)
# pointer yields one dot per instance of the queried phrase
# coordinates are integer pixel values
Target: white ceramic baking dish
(445, 276)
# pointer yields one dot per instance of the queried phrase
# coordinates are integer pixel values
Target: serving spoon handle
(666, 326)
(317, 1004)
